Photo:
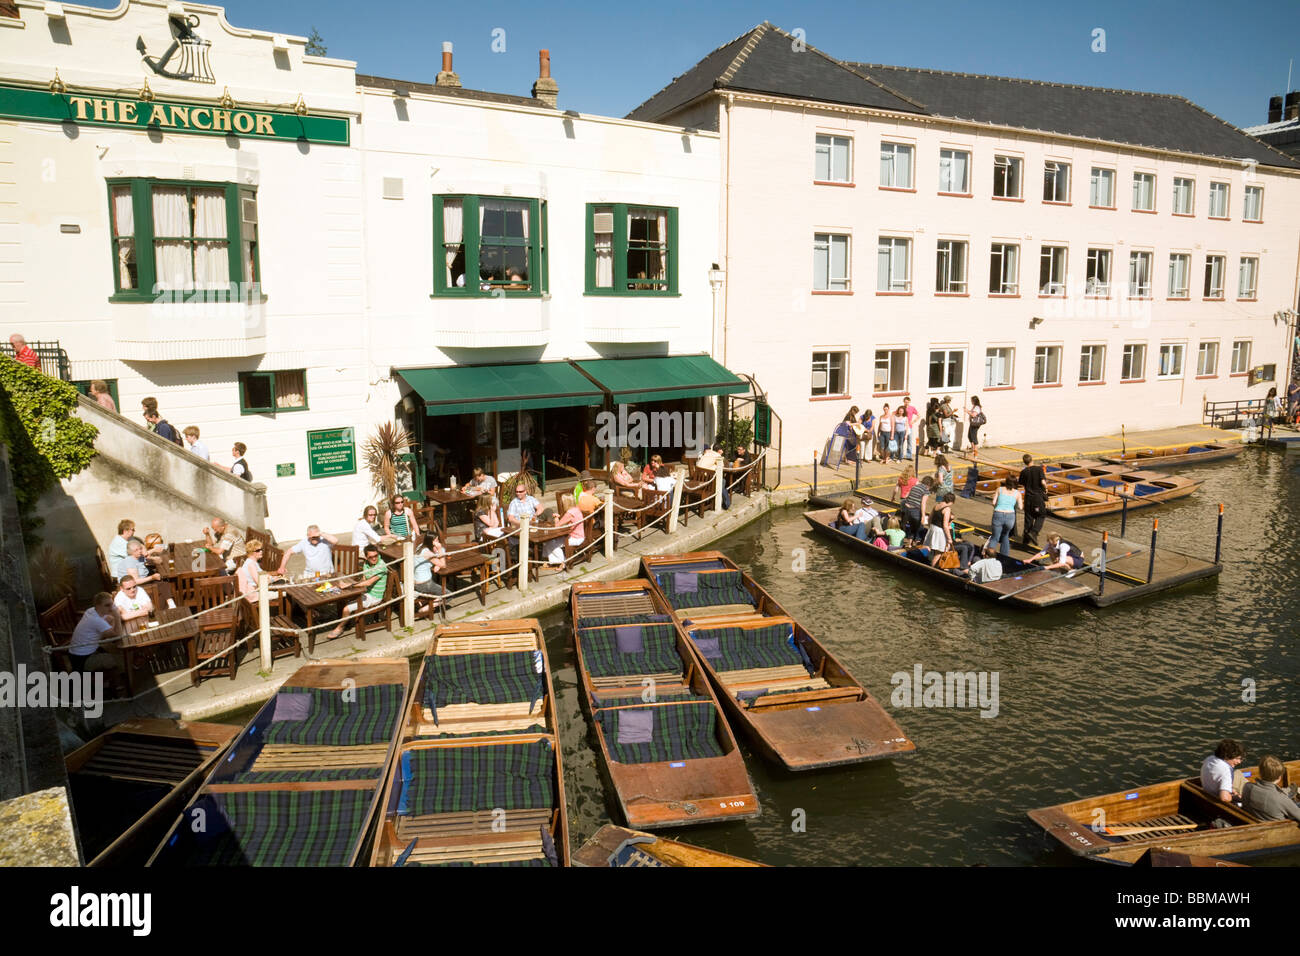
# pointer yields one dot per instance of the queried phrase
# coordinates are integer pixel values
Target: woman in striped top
(400, 522)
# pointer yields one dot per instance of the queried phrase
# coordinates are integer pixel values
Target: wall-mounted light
(227, 101)
(408, 404)
(301, 106)
(1035, 322)
(145, 94)
(717, 277)
(57, 85)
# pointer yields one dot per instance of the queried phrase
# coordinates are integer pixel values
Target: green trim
(464, 389)
(83, 386)
(471, 244)
(620, 252)
(661, 378)
(270, 376)
(21, 103)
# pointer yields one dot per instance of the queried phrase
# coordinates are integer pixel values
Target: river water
(1090, 700)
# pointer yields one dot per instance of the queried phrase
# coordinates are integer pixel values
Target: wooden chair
(160, 592)
(347, 558)
(211, 592)
(367, 619)
(106, 576)
(589, 535)
(261, 534)
(218, 650)
(282, 644)
(185, 587)
(57, 624)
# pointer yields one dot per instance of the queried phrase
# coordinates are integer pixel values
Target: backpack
(175, 436)
(248, 474)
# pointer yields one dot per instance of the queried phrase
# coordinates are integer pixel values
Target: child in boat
(894, 533)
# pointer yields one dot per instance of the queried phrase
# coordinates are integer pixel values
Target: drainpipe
(726, 231)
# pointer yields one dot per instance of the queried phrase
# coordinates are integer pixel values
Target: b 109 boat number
(730, 803)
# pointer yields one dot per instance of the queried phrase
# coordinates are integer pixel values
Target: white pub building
(1082, 259)
(286, 253)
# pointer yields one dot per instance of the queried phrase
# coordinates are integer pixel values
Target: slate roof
(384, 83)
(762, 61)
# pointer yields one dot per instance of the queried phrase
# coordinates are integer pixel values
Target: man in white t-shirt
(99, 623)
(1216, 771)
(133, 604)
(988, 568)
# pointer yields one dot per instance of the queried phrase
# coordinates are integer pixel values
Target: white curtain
(171, 218)
(453, 233)
(661, 237)
(211, 258)
(124, 226)
(604, 257)
(289, 389)
(522, 212)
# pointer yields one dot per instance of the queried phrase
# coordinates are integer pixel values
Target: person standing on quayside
(1033, 481)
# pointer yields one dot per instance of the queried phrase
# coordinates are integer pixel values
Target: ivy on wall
(46, 441)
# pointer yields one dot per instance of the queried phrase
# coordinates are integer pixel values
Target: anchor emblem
(193, 62)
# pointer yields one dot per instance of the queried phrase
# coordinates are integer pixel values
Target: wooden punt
(1177, 816)
(128, 784)
(1017, 575)
(301, 783)
(619, 846)
(1171, 455)
(1166, 858)
(808, 712)
(478, 779)
(700, 781)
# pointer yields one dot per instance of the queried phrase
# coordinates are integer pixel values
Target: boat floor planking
(128, 784)
(1053, 590)
(249, 754)
(1176, 815)
(834, 725)
(659, 794)
(615, 846)
(484, 836)
(1177, 455)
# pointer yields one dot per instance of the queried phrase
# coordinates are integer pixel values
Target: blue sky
(608, 57)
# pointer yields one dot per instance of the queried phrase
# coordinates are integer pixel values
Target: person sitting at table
(711, 460)
(367, 530)
(743, 458)
(584, 493)
(430, 557)
(225, 542)
(118, 547)
(88, 650)
(621, 479)
(650, 471)
(249, 571)
(487, 520)
(134, 565)
(133, 604)
(664, 480)
(374, 578)
(400, 521)
(522, 506)
(481, 484)
(572, 518)
(316, 549)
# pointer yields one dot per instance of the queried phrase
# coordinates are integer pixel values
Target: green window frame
(83, 386)
(622, 247)
(270, 392)
(474, 246)
(135, 275)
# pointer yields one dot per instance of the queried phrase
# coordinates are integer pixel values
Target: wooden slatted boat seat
(718, 610)
(762, 676)
(485, 643)
(482, 718)
(1169, 825)
(636, 680)
(610, 605)
(506, 847)
(472, 821)
(134, 759)
(305, 757)
(672, 687)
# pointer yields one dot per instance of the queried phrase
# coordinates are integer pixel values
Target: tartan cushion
(602, 657)
(306, 776)
(282, 828)
(746, 649)
(623, 619)
(483, 678)
(367, 717)
(704, 581)
(659, 698)
(680, 732)
(708, 597)
(457, 779)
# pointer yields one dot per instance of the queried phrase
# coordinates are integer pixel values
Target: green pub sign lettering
(330, 452)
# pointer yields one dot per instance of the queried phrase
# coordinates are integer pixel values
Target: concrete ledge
(36, 830)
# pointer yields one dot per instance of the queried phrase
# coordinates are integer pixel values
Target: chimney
(545, 89)
(1275, 109)
(445, 76)
(1291, 107)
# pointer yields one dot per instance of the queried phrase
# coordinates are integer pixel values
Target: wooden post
(1123, 517)
(523, 554)
(408, 582)
(814, 491)
(609, 524)
(1218, 536)
(679, 480)
(1101, 572)
(264, 617)
(719, 479)
(1151, 565)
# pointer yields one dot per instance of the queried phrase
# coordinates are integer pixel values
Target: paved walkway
(797, 482)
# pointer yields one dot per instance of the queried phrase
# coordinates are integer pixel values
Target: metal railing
(1234, 414)
(54, 358)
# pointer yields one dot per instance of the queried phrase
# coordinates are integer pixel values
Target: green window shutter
(544, 239)
(470, 233)
(620, 248)
(234, 235)
(439, 253)
(256, 393)
(672, 250)
(589, 258)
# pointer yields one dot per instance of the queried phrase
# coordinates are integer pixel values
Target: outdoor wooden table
(309, 600)
(476, 563)
(444, 498)
(536, 538)
(175, 625)
(182, 558)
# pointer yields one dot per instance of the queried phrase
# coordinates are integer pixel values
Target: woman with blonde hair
(619, 476)
(905, 482)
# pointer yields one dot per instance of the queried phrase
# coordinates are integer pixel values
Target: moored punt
(618, 846)
(1176, 455)
(665, 747)
(128, 784)
(478, 778)
(300, 785)
(1082, 487)
(1018, 576)
(1178, 816)
(801, 708)
(1167, 858)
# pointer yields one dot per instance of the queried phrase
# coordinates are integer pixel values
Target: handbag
(949, 561)
(893, 446)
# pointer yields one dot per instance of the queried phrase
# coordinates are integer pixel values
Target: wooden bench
(320, 757)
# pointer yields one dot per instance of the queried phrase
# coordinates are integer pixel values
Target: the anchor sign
(192, 63)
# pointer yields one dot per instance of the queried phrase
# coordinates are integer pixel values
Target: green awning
(463, 389)
(658, 379)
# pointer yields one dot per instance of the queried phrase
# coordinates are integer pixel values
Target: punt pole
(1151, 564)
(1101, 585)
(1123, 517)
(1218, 535)
(814, 474)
